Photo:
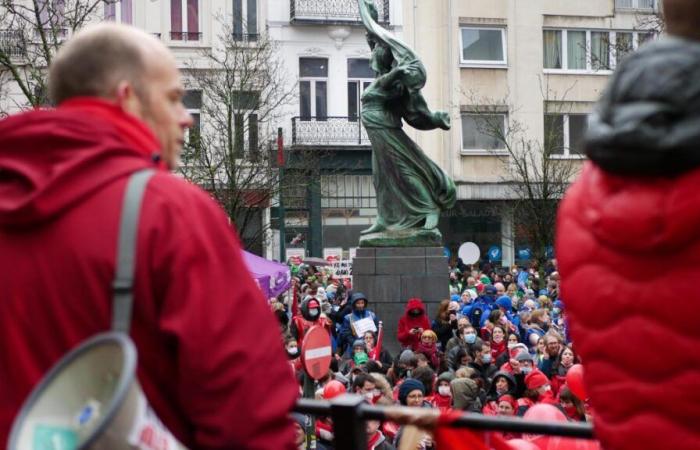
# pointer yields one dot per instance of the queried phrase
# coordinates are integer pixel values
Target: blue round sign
(524, 253)
(495, 253)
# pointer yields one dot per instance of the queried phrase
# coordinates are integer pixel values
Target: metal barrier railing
(350, 411)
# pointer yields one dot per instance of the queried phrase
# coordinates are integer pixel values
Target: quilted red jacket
(625, 247)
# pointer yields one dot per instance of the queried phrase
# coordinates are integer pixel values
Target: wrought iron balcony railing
(185, 36)
(246, 37)
(333, 11)
(328, 131)
(12, 43)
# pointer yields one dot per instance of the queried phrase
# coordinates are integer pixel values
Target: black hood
(648, 121)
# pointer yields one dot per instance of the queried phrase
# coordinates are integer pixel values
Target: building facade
(538, 65)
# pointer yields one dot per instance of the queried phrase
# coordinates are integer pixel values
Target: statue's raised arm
(411, 188)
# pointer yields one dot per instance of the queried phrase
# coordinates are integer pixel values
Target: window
(483, 46)
(245, 20)
(635, 4)
(193, 103)
(184, 20)
(483, 131)
(313, 84)
(245, 124)
(120, 11)
(588, 51)
(51, 18)
(563, 133)
(360, 76)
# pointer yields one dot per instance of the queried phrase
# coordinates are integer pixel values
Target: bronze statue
(411, 188)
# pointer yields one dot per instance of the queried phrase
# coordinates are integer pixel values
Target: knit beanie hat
(406, 356)
(409, 385)
(358, 343)
(535, 379)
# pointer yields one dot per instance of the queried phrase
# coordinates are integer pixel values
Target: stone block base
(390, 276)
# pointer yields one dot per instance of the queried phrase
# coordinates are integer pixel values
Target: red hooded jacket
(631, 324)
(408, 322)
(209, 347)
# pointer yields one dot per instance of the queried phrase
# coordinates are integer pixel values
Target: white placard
(364, 325)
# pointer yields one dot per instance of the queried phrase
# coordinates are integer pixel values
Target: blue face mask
(470, 338)
(486, 358)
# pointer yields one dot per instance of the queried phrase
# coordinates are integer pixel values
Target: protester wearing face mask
(364, 384)
(310, 315)
(293, 353)
(461, 339)
(428, 347)
(412, 324)
(442, 398)
(358, 357)
(482, 362)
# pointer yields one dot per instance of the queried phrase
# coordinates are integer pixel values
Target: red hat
(535, 379)
(333, 389)
(480, 288)
(510, 399)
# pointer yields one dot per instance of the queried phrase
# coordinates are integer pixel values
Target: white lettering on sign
(318, 353)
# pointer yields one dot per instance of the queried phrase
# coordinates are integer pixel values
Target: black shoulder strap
(126, 250)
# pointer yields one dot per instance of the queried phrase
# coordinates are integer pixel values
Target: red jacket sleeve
(233, 380)
(406, 338)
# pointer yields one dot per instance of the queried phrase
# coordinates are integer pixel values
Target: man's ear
(126, 98)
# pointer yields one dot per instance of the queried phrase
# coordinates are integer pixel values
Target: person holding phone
(412, 324)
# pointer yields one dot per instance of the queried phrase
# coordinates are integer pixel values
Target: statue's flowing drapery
(409, 185)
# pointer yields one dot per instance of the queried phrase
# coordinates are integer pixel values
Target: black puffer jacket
(646, 123)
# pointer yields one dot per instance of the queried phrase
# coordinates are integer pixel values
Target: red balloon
(562, 443)
(521, 444)
(543, 412)
(574, 379)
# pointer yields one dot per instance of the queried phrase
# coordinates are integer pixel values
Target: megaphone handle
(126, 249)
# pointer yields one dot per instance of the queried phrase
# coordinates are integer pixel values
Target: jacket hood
(509, 378)
(51, 160)
(415, 303)
(647, 120)
(465, 392)
(357, 296)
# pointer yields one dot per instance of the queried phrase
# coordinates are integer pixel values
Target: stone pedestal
(390, 276)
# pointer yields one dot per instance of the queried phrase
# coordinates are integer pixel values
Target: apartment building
(540, 64)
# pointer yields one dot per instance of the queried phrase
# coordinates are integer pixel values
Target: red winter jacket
(210, 359)
(631, 325)
(408, 322)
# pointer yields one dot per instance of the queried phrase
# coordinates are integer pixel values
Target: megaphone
(91, 400)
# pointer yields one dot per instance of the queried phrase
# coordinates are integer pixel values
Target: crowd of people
(497, 346)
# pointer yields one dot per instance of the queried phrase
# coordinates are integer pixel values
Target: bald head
(98, 58)
(682, 18)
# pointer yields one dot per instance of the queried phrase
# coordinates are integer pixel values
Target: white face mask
(444, 391)
(369, 396)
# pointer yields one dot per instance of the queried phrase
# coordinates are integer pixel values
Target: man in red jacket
(210, 359)
(635, 204)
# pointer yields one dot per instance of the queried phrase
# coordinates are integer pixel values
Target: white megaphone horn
(91, 399)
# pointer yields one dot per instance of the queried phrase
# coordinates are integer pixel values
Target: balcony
(329, 132)
(333, 12)
(185, 36)
(245, 37)
(12, 43)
